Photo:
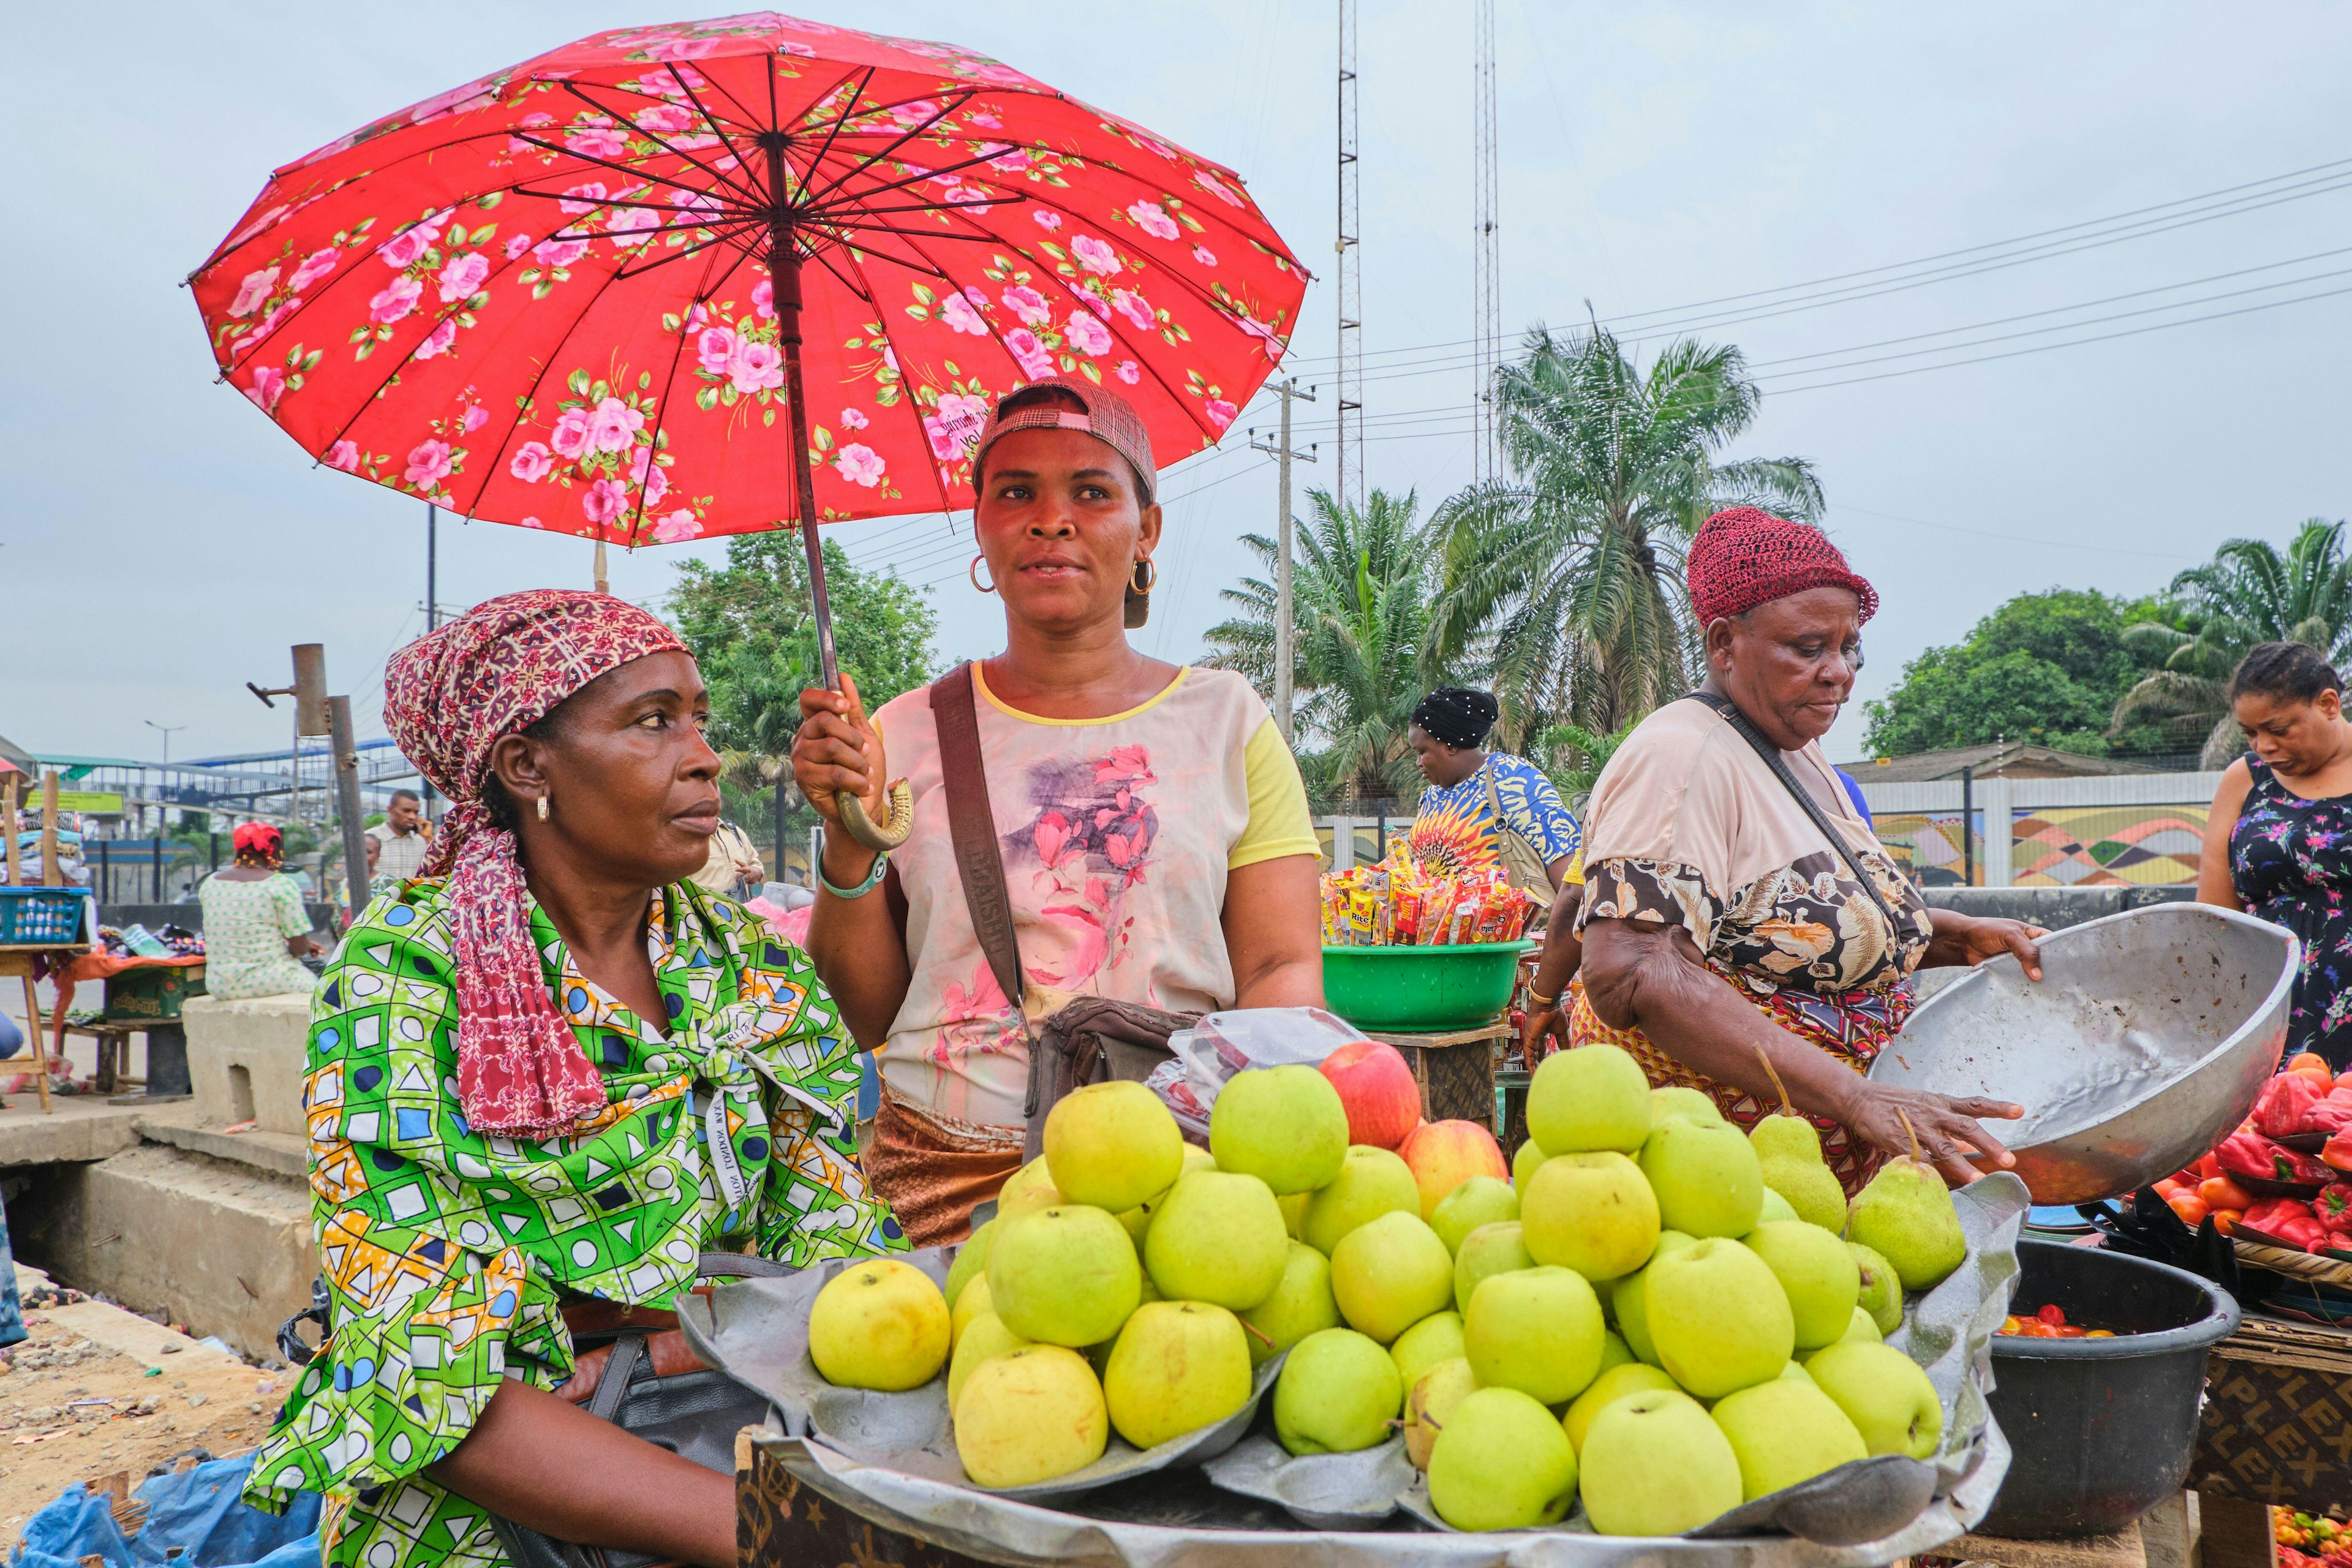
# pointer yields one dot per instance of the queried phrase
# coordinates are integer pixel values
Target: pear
(984, 1338)
(1430, 1403)
(1776, 1207)
(1864, 1329)
(1790, 1150)
(1501, 1462)
(1707, 1178)
(1064, 1276)
(1494, 1248)
(1886, 1395)
(1882, 1292)
(879, 1323)
(1178, 1366)
(1629, 1304)
(1284, 1125)
(1302, 1303)
(1030, 1414)
(1653, 1464)
(1906, 1215)
(970, 1261)
(1436, 1338)
(1524, 1163)
(1338, 1393)
(1718, 1316)
(1591, 1213)
(1112, 1145)
(1692, 1104)
(1371, 1182)
(1390, 1274)
(1481, 1200)
(1590, 1099)
(1816, 1273)
(1784, 1432)
(1217, 1238)
(1536, 1329)
(1615, 1383)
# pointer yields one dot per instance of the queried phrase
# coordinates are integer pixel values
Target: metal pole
(780, 828)
(432, 618)
(1285, 652)
(1967, 827)
(347, 802)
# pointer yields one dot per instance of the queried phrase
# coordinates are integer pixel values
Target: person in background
(404, 835)
(1852, 787)
(257, 932)
(734, 870)
(2278, 839)
(1504, 799)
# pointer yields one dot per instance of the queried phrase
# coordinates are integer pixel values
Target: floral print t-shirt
(2291, 861)
(1117, 835)
(247, 925)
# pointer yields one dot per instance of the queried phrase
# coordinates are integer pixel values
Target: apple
(1336, 1394)
(1111, 1145)
(1536, 1329)
(1785, 1431)
(1178, 1366)
(984, 1339)
(1495, 1248)
(1284, 1125)
(1301, 1304)
(1444, 1154)
(1524, 1163)
(1592, 1213)
(1064, 1276)
(1390, 1274)
(1614, 1383)
(1030, 1414)
(879, 1324)
(1377, 1090)
(1371, 1183)
(1217, 1238)
(1885, 1394)
(1501, 1462)
(1481, 1200)
(1430, 1401)
(1718, 1316)
(1590, 1099)
(1436, 1338)
(1656, 1465)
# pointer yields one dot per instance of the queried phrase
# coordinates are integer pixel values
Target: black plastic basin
(2102, 1429)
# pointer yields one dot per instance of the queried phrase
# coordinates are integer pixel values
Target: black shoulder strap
(1728, 711)
(972, 827)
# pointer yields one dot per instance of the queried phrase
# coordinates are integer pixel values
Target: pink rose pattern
(598, 158)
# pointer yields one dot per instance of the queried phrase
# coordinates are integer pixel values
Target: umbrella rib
(1141, 360)
(1181, 281)
(882, 190)
(744, 190)
(735, 232)
(713, 120)
(833, 132)
(635, 173)
(914, 409)
(960, 99)
(1229, 225)
(661, 418)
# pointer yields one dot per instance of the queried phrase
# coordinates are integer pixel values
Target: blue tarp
(199, 1511)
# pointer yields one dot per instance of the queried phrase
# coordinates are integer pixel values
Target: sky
(162, 543)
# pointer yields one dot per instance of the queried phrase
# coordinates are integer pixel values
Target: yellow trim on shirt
(980, 684)
(1278, 823)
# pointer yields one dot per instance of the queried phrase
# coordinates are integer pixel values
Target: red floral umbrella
(585, 294)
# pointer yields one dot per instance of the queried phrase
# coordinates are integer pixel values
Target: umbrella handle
(891, 831)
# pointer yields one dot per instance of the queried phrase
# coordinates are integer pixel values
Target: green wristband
(873, 877)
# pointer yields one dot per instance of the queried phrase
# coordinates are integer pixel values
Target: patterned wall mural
(1927, 845)
(2058, 847)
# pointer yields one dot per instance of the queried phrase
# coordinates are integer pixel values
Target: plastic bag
(1208, 1054)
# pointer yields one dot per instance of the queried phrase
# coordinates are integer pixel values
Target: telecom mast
(1486, 210)
(1349, 490)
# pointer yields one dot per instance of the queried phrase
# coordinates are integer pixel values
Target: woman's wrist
(846, 863)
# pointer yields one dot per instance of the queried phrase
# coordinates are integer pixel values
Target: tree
(1562, 583)
(1359, 591)
(2247, 593)
(1575, 756)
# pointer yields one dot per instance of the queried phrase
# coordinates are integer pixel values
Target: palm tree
(1360, 605)
(2247, 593)
(1573, 757)
(1562, 583)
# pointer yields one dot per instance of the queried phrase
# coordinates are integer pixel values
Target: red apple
(1382, 1101)
(1443, 1155)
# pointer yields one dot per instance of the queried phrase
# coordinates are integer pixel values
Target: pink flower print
(411, 243)
(755, 367)
(1050, 836)
(516, 245)
(915, 113)
(1205, 256)
(1216, 187)
(252, 291)
(1035, 362)
(1129, 851)
(429, 464)
(476, 417)
(1154, 219)
(268, 386)
(633, 225)
(267, 324)
(763, 299)
(715, 348)
(395, 300)
(1086, 334)
(597, 137)
(851, 420)
(464, 275)
(531, 462)
(1098, 892)
(614, 425)
(1132, 763)
(603, 501)
(570, 438)
(694, 201)
(1028, 304)
(1220, 412)
(1088, 944)
(1095, 255)
(1134, 307)
(531, 522)
(652, 476)
(344, 455)
(986, 122)
(679, 524)
(681, 48)
(983, 999)
(956, 425)
(1013, 160)
(1128, 371)
(594, 188)
(859, 463)
(315, 265)
(665, 117)
(436, 342)
(1047, 220)
(538, 121)
(554, 253)
(957, 312)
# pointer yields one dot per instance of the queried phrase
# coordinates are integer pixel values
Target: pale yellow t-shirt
(1116, 834)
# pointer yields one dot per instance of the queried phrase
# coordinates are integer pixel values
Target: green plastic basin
(1421, 989)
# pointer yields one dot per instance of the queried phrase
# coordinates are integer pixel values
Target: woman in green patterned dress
(549, 1072)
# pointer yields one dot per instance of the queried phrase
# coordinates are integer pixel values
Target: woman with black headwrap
(1503, 799)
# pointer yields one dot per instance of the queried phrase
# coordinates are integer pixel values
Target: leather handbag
(1073, 1040)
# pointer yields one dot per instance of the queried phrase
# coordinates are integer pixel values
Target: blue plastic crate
(38, 915)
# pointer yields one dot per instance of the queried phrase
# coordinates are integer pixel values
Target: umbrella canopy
(574, 295)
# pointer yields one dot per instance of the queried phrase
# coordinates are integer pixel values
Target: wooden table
(18, 960)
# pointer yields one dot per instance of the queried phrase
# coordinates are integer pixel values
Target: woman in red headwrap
(1741, 923)
(256, 930)
(546, 1077)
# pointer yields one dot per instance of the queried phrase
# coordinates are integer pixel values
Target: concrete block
(76, 1126)
(246, 1058)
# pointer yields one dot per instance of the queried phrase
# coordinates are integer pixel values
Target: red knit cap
(1743, 558)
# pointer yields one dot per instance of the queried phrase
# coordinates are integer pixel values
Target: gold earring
(973, 572)
(542, 808)
(1145, 576)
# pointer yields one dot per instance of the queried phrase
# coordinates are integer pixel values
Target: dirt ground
(96, 1390)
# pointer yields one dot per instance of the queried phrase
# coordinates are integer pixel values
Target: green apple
(1718, 1316)
(1178, 1366)
(1481, 1200)
(983, 1338)
(1031, 1415)
(1614, 1351)
(1064, 1276)
(1691, 1104)
(1371, 1183)
(1593, 1098)
(1030, 1187)
(971, 1262)
(1538, 1331)
(1390, 1274)
(1217, 1238)
(1524, 1163)
(1863, 1329)
(1882, 1292)
(1294, 1212)
(1656, 1465)
(1784, 1432)
(1112, 1144)
(1336, 1394)
(1816, 1273)
(1707, 1177)
(1591, 1213)
(1615, 1383)
(1494, 1248)
(1501, 1462)
(1436, 1338)
(971, 1304)
(1629, 1304)
(1429, 1405)
(1284, 1125)
(1885, 1394)
(1301, 1304)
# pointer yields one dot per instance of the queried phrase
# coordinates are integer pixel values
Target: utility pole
(1486, 290)
(168, 730)
(1286, 653)
(1349, 490)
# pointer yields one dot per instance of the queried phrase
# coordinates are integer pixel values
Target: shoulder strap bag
(1522, 862)
(1073, 1039)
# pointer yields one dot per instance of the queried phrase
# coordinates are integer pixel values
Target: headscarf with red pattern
(448, 698)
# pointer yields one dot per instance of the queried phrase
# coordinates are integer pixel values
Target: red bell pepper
(2336, 1154)
(2272, 1214)
(2333, 1207)
(2280, 1110)
(2305, 1232)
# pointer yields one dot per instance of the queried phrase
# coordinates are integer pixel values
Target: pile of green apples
(1131, 1283)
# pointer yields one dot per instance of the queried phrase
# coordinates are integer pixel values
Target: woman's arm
(548, 1464)
(857, 944)
(1273, 933)
(1966, 940)
(2215, 883)
(1650, 977)
(1556, 965)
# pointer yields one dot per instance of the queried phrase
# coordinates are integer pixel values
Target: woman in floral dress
(544, 1077)
(256, 927)
(2278, 841)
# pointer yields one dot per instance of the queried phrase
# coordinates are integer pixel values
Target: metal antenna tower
(1349, 490)
(1486, 288)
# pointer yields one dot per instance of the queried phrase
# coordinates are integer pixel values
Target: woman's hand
(1970, 939)
(837, 753)
(1940, 1129)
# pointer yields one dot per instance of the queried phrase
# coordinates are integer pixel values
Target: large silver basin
(2143, 1044)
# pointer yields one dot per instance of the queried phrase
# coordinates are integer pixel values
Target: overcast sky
(162, 543)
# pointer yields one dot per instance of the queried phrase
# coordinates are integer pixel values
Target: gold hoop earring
(973, 572)
(1145, 576)
(542, 808)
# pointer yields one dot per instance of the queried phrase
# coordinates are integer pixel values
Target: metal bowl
(2142, 1045)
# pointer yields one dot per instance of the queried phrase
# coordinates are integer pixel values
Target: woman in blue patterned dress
(2278, 841)
(1503, 798)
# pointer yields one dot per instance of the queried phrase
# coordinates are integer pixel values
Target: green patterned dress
(449, 1255)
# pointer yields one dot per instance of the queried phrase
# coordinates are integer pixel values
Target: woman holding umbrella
(1152, 825)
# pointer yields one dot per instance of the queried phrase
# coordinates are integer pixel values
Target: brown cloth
(934, 1170)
